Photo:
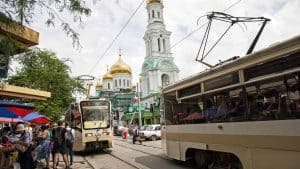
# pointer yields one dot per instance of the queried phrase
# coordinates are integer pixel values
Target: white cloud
(180, 18)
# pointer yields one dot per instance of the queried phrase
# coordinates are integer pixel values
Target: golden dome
(98, 85)
(107, 76)
(120, 67)
(152, 1)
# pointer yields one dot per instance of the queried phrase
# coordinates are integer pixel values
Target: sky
(108, 17)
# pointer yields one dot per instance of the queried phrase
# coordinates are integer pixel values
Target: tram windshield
(95, 115)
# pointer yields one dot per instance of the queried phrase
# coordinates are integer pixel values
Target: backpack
(70, 137)
(136, 132)
(57, 135)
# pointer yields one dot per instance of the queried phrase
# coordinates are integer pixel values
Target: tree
(23, 11)
(41, 69)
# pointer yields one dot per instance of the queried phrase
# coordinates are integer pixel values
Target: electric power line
(197, 29)
(113, 41)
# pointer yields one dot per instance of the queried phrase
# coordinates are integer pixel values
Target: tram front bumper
(94, 143)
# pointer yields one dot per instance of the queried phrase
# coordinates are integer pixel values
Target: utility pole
(139, 102)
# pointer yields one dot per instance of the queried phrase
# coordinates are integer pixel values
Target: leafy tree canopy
(23, 11)
(41, 69)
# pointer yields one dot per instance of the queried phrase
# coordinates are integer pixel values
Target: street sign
(136, 108)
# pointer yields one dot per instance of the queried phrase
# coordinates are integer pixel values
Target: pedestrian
(136, 135)
(23, 145)
(53, 127)
(70, 142)
(42, 150)
(59, 137)
(125, 133)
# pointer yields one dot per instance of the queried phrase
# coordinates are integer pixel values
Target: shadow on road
(157, 162)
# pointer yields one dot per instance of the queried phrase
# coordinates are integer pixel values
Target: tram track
(124, 161)
(139, 150)
(88, 163)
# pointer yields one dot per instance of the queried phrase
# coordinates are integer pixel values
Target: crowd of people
(23, 146)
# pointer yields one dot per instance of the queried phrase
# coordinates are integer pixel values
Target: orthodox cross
(120, 51)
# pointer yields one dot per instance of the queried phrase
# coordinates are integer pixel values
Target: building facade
(158, 69)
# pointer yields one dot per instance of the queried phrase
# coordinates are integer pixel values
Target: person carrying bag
(23, 145)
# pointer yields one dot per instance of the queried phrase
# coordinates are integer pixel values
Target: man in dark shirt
(59, 136)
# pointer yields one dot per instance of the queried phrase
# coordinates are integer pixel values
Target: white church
(158, 69)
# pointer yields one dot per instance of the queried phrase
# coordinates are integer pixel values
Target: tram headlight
(105, 132)
(88, 134)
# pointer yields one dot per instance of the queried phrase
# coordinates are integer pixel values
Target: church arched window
(158, 43)
(152, 13)
(165, 80)
(116, 83)
(120, 82)
(124, 82)
(108, 85)
(164, 45)
(128, 83)
(158, 14)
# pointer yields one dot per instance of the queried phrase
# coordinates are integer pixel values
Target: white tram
(91, 120)
(242, 114)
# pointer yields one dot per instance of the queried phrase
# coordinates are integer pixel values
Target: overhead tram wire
(117, 36)
(200, 27)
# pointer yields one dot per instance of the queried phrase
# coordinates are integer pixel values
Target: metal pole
(139, 100)
(250, 50)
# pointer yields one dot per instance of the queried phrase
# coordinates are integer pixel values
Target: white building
(158, 69)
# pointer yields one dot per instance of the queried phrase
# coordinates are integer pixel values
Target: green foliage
(41, 69)
(23, 11)
(8, 47)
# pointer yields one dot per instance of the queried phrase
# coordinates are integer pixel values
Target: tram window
(274, 66)
(222, 81)
(189, 90)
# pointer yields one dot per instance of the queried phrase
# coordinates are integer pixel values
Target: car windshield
(143, 128)
(150, 128)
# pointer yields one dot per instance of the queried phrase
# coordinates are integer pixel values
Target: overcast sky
(180, 16)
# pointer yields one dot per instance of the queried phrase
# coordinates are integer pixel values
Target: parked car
(151, 132)
(118, 130)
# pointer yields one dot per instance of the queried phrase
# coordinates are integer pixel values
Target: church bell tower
(158, 69)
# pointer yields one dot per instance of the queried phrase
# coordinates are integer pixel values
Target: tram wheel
(200, 159)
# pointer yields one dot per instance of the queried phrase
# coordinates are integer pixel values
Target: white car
(151, 132)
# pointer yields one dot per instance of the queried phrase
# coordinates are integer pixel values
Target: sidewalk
(78, 163)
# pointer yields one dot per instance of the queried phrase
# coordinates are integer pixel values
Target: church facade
(117, 87)
(158, 69)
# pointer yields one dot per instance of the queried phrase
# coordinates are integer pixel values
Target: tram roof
(278, 49)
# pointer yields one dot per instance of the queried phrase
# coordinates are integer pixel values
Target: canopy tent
(7, 113)
(41, 120)
(36, 118)
(31, 116)
(16, 108)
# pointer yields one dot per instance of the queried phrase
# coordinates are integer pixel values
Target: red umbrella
(41, 120)
(16, 108)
